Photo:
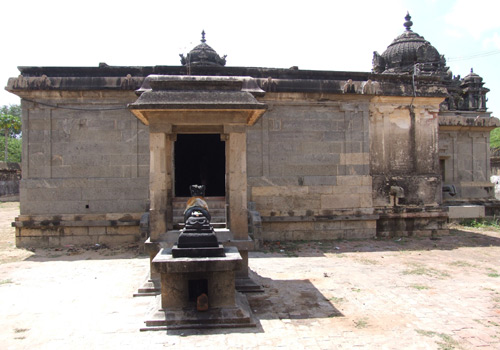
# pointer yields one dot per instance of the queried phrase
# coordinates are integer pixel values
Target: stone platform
(183, 279)
(237, 316)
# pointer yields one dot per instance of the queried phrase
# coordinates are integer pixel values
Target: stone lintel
(200, 115)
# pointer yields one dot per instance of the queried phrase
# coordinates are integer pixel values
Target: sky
(313, 35)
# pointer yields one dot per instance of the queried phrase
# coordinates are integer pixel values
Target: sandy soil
(405, 293)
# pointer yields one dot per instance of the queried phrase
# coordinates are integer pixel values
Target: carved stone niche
(173, 105)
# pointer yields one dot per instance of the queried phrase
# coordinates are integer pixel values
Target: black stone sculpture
(197, 238)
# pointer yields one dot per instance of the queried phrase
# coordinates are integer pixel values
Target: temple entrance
(200, 159)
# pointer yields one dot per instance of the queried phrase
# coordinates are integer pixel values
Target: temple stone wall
(404, 152)
(405, 166)
(308, 167)
(465, 157)
(10, 176)
(85, 172)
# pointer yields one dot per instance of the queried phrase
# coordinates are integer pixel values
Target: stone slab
(466, 212)
(227, 317)
(224, 236)
(164, 262)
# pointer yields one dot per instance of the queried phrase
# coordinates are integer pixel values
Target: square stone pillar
(236, 191)
(158, 179)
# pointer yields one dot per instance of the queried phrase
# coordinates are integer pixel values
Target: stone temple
(109, 152)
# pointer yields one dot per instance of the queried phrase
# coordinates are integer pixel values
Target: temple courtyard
(404, 293)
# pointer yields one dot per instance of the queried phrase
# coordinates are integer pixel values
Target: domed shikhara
(203, 55)
(409, 53)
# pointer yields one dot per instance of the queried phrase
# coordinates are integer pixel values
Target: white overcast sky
(315, 35)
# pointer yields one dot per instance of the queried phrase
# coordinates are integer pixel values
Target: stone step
(215, 219)
(179, 225)
(213, 202)
(213, 212)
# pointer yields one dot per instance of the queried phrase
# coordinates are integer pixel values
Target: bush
(14, 149)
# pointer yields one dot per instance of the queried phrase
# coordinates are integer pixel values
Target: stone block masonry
(84, 159)
(87, 229)
(10, 175)
(309, 171)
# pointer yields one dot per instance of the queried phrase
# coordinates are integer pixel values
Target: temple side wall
(85, 172)
(404, 157)
(464, 153)
(405, 166)
(309, 167)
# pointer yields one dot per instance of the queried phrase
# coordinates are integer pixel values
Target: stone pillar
(236, 190)
(236, 163)
(159, 182)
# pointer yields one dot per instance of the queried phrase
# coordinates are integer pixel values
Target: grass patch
(361, 323)
(357, 290)
(482, 223)
(7, 281)
(420, 287)
(461, 263)
(446, 343)
(336, 300)
(487, 323)
(367, 261)
(289, 248)
(421, 270)
(492, 272)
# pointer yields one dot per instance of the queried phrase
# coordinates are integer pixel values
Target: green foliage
(10, 118)
(482, 223)
(495, 139)
(14, 150)
(10, 125)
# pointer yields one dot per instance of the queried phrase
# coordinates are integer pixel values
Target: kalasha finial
(408, 22)
(203, 36)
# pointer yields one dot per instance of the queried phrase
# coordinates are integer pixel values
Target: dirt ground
(407, 293)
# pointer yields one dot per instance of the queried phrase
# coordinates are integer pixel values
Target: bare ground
(408, 293)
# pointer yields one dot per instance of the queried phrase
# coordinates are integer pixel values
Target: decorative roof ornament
(203, 55)
(408, 22)
(410, 53)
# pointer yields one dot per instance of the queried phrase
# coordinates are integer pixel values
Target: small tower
(409, 53)
(473, 92)
(203, 55)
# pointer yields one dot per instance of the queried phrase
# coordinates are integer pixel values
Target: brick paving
(412, 293)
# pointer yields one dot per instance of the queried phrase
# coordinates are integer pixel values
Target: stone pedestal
(181, 281)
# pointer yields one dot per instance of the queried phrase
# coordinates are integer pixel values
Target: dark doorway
(200, 159)
(197, 288)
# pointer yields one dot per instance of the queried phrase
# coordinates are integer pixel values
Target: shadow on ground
(281, 299)
(289, 299)
(458, 238)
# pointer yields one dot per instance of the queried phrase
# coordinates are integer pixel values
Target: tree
(10, 124)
